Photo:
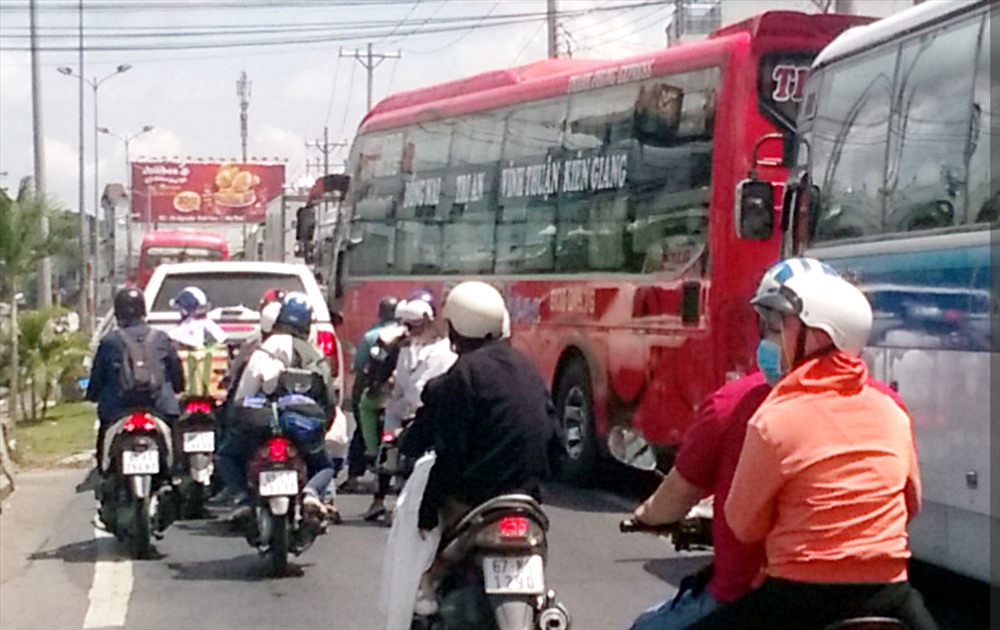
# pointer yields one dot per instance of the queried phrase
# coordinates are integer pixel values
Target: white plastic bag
(340, 433)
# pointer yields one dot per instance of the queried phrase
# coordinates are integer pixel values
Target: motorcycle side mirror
(631, 449)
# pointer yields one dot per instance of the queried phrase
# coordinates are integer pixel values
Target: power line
(314, 34)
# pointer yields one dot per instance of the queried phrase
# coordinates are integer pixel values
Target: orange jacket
(828, 477)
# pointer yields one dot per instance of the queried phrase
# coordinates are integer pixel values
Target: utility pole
(370, 62)
(243, 91)
(86, 316)
(550, 16)
(45, 264)
(326, 148)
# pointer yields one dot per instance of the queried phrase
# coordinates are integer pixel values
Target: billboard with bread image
(210, 192)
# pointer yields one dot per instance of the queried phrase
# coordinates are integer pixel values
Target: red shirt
(707, 459)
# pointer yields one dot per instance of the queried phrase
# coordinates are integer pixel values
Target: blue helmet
(296, 313)
(191, 301)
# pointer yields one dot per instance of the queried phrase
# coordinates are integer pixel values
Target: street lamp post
(95, 83)
(126, 139)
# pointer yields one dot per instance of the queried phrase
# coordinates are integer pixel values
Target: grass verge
(68, 430)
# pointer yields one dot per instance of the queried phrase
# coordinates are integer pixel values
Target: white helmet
(821, 300)
(781, 272)
(476, 310)
(269, 315)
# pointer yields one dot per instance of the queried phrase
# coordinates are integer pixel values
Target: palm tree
(47, 355)
(22, 244)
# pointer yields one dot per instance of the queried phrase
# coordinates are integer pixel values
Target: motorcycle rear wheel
(141, 531)
(278, 548)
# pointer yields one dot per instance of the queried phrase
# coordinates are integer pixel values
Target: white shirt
(265, 366)
(417, 364)
(196, 332)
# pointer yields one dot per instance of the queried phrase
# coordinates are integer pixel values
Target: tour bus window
(424, 165)
(849, 141)
(477, 139)
(372, 249)
(378, 188)
(467, 247)
(418, 248)
(926, 173)
(984, 204)
(529, 183)
(669, 234)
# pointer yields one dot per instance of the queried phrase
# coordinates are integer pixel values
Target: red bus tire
(574, 403)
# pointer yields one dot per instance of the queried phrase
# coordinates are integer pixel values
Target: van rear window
(226, 289)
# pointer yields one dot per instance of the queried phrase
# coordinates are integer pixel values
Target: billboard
(210, 192)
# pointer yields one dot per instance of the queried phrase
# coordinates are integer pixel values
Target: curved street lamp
(94, 83)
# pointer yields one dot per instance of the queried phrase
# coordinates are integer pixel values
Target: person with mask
(358, 451)
(705, 464)
(827, 477)
(424, 355)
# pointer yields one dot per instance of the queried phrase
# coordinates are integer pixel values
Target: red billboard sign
(209, 192)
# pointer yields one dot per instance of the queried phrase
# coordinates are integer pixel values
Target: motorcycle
(196, 432)
(694, 532)
(492, 571)
(137, 498)
(276, 477)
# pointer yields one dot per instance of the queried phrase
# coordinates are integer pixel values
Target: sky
(184, 69)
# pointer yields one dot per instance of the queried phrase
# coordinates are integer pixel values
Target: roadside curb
(6, 488)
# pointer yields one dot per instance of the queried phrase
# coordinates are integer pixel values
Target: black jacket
(491, 422)
(104, 387)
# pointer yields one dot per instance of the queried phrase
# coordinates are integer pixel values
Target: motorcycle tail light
(388, 436)
(511, 532)
(513, 527)
(140, 422)
(198, 406)
(277, 450)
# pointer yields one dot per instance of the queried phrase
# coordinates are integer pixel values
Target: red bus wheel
(575, 405)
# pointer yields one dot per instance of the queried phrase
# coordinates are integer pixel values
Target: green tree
(22, 244)
(48, 354)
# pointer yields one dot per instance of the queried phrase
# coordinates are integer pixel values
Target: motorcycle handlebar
(631, 525)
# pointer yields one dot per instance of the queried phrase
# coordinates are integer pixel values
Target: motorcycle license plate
(514, 574)
(199, 442)
(279, 483)
(141, 462)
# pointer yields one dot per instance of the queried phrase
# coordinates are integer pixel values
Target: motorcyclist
(489, 418)
(424, 355)
(705, 464)
(196, 335)
(232, 453)
(106, 387)
(357, 457)
(827, 477)
(288, 346)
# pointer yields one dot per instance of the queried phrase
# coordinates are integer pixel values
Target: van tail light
(277, 450)
(513, 527)
(327, 343)
(198, 406)
(139, 422)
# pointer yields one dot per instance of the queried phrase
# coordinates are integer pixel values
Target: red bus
(174, 246)
(599, 197)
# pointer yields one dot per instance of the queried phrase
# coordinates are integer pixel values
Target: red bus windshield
(599, 198)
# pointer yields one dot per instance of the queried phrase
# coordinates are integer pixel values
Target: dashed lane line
(112, 586)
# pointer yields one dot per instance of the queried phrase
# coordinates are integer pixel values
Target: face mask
(769, 360)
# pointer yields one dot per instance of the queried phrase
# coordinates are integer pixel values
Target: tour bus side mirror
(754, 209)
(305, 223)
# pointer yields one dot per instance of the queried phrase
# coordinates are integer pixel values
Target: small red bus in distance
(598, 196)
(175, 246)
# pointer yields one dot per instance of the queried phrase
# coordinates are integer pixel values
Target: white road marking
(112, 586)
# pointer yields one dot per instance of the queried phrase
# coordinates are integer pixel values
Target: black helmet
(130, 306)
(387, 308)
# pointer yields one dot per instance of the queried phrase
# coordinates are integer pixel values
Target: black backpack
(382, 362)
(142, 375)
